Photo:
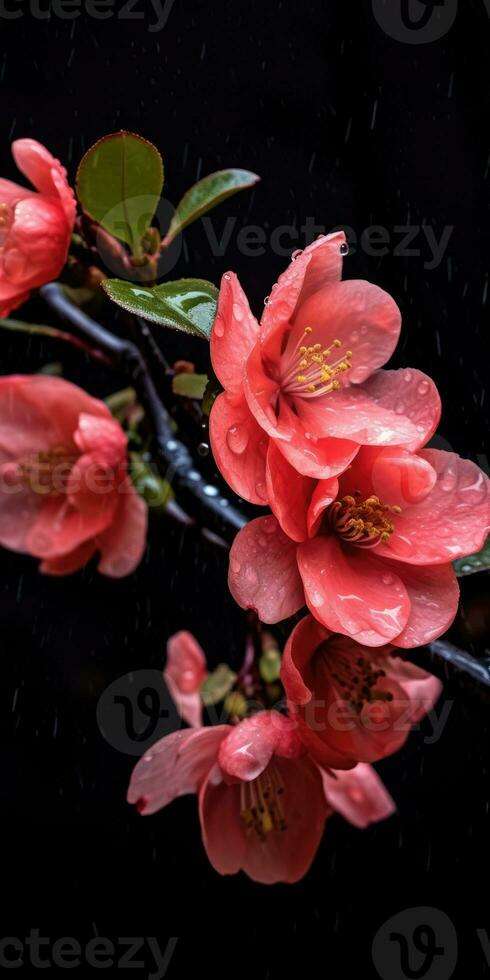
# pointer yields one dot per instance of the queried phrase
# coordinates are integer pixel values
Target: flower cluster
(365, 522)
(267, 783)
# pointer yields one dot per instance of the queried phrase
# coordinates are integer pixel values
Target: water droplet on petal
(449, 479)
(400, 408)
(387, 579)
(296, 254)
(237, 438)
(251, 578)
(354, 336)
(238, 312)
(267, 301)
(260, 490)
(423, 387)
(407, 377)
(219, 326)
(269, 525)
(227, 276)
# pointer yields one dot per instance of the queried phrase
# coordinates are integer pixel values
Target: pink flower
(352, 703)
(303, 385)
(263, 801)
(64, 489)
(35, 228)
(184, 673)
(369, 553)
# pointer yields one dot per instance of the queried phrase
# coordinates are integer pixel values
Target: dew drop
(449, 480)
(296, 254)
(423, 387)
(238, 312)
(344, 248)
(219, 327)
(251, 578)
(387, 579)
(237, 439)
(227, 276)
(354, 336)
(407, 377)
(267, 301)
(260, 490)
(400, 408)
(203, 449)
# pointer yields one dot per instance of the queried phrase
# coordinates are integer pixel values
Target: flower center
(364, 523)
(313, 370)
(357, 679)
(46, 473)
(260, 804)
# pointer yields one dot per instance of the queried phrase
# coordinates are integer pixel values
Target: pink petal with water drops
(410, 393)
(433, 591)
(263, 572)
(176, 765)
(452, 521)
(239, 447)
(350, 591)
(234, 333)
(309, 270)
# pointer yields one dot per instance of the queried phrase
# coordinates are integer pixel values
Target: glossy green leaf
(213, 389)
(119, 184)
(217, 684)
(190, 385)
(474, 563)
(205, 195)
(185, 304)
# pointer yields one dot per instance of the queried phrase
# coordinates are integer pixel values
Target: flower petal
(251, 744)
(288, 494)
(352, 413)
(45, 172)
(59, 528)
(184, 673)
(69, 563)
(234, 333)
(348, 591)
(452, 521)
(318, 264)
(284, 855)
(410, 393)
(433, 591)
(359, 795)
(122, 545)
(239, 447)
(176, 765)
(263, 571)
(362, 316)
(395, 475)
(319, 458)
(301, 646)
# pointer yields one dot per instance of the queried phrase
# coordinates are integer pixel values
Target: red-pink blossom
(352, 703)
(304, 384)
(184, 673)
(35, 226)
(65, 493)
(369, 553)
(263, 801)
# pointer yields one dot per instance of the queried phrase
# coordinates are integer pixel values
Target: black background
(349, 127)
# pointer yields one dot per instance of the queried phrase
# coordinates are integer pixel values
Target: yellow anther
(312, 388)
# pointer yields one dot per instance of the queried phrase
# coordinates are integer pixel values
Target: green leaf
(217, 684)
(120, 401)
(18, 326)
(205, 195)
(119, 183)
(190, 385)
(186, 304)
(474, 563)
